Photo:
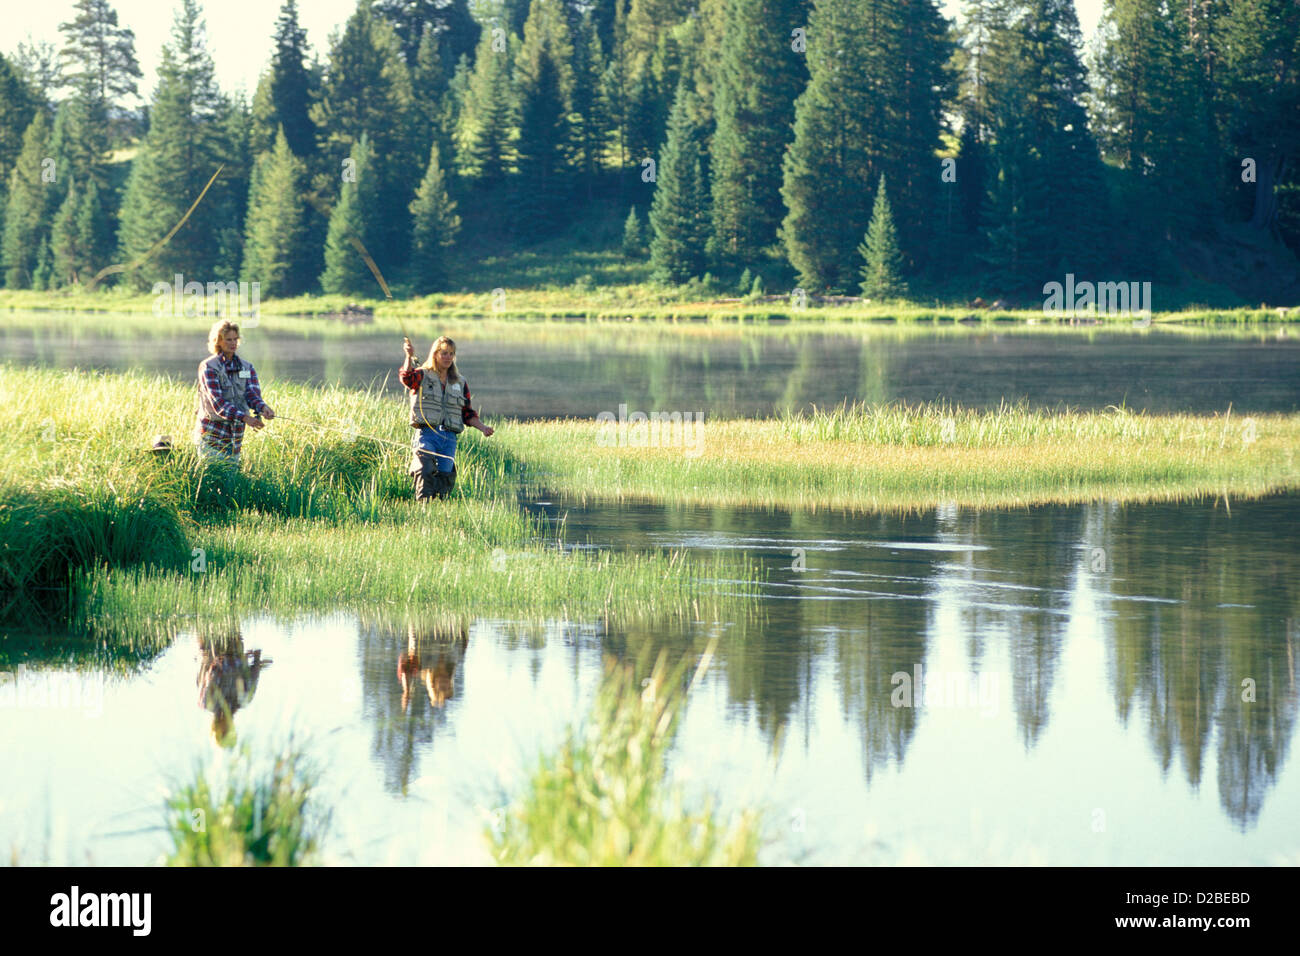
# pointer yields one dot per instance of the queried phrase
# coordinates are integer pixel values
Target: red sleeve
(411, 379)
(467, 412)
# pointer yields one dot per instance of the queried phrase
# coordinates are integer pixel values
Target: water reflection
(728, 373)
(443, 650)
(1192, 610)
(227, 679)
(1140, 659)
(408, 710)
(1203, 628)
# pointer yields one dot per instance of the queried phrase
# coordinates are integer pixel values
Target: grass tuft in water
(604, 799)
(239, 815)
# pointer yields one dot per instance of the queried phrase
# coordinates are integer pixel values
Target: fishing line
(356, 434)
(379, 276)
(123, 267)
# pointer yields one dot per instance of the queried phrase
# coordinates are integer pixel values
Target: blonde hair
(453, 373)
(220, 328)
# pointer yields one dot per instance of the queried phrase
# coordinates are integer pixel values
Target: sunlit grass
(899, 458)
(240, 814)
(317, 518)
(619, 299)
(604, 799)
(467, 560)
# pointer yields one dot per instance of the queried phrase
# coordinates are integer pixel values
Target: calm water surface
(1109, 684)
(1082, 674)
(751, 375)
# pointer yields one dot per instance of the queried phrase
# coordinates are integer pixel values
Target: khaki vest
(434, 406)
(233, 388)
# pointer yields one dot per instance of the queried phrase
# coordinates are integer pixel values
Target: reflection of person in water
(227, 680)
(443, 650)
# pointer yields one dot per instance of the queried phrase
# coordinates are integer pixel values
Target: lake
(1092, 684)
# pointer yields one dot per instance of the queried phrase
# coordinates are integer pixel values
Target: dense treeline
(847, 144)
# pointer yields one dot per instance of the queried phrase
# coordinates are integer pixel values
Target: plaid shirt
(226, 434)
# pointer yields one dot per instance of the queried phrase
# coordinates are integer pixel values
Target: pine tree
(94, 232)
(277, 254)
(43, 276)
(436, 227)
(428, 98)
(642, 126)
(486, 121)
(1150, 114)
(290, 84)
(1261, 76)
(81, 237)
(18, 102)
(356, 214)
(449, 20)
(759, 77)
(25, 221)
(877, 79)
(368, 91)
(69, 260)
(100, 67)
(830, 167)
(262, 118)
(38, 62)
(591, 122)
(882, 270)
(1039, 140)
(679, 213)
(229, 194)
(633, 238)
(186, 144)
(544, 84)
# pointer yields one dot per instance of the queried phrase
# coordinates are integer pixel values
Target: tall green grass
(901, 458)
(96, 530)
(463, 560)
(242, 814)
(604, 799)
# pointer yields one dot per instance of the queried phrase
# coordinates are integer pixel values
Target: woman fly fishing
(440, 410)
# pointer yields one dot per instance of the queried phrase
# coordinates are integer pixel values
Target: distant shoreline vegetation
(632, 303)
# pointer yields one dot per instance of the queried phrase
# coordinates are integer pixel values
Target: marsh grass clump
(243, 815)
(604, 799)
(907, 459)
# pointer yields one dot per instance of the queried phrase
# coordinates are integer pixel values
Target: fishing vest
(433, 405)
(233, 387)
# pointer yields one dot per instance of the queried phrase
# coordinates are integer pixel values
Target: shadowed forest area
(869, 147)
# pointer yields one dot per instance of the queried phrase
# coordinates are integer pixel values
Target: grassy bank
(96, 530)
(904, 459)
(633, 301)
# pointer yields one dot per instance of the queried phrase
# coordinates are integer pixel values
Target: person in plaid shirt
(230, 396)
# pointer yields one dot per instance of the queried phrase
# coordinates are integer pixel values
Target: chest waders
(440, 408)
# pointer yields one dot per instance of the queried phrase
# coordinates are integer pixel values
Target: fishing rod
(374, 438)
(379, 277)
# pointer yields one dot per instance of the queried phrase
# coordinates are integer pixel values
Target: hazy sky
(239, 31)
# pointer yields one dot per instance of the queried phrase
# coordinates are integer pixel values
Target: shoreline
(525, 306)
